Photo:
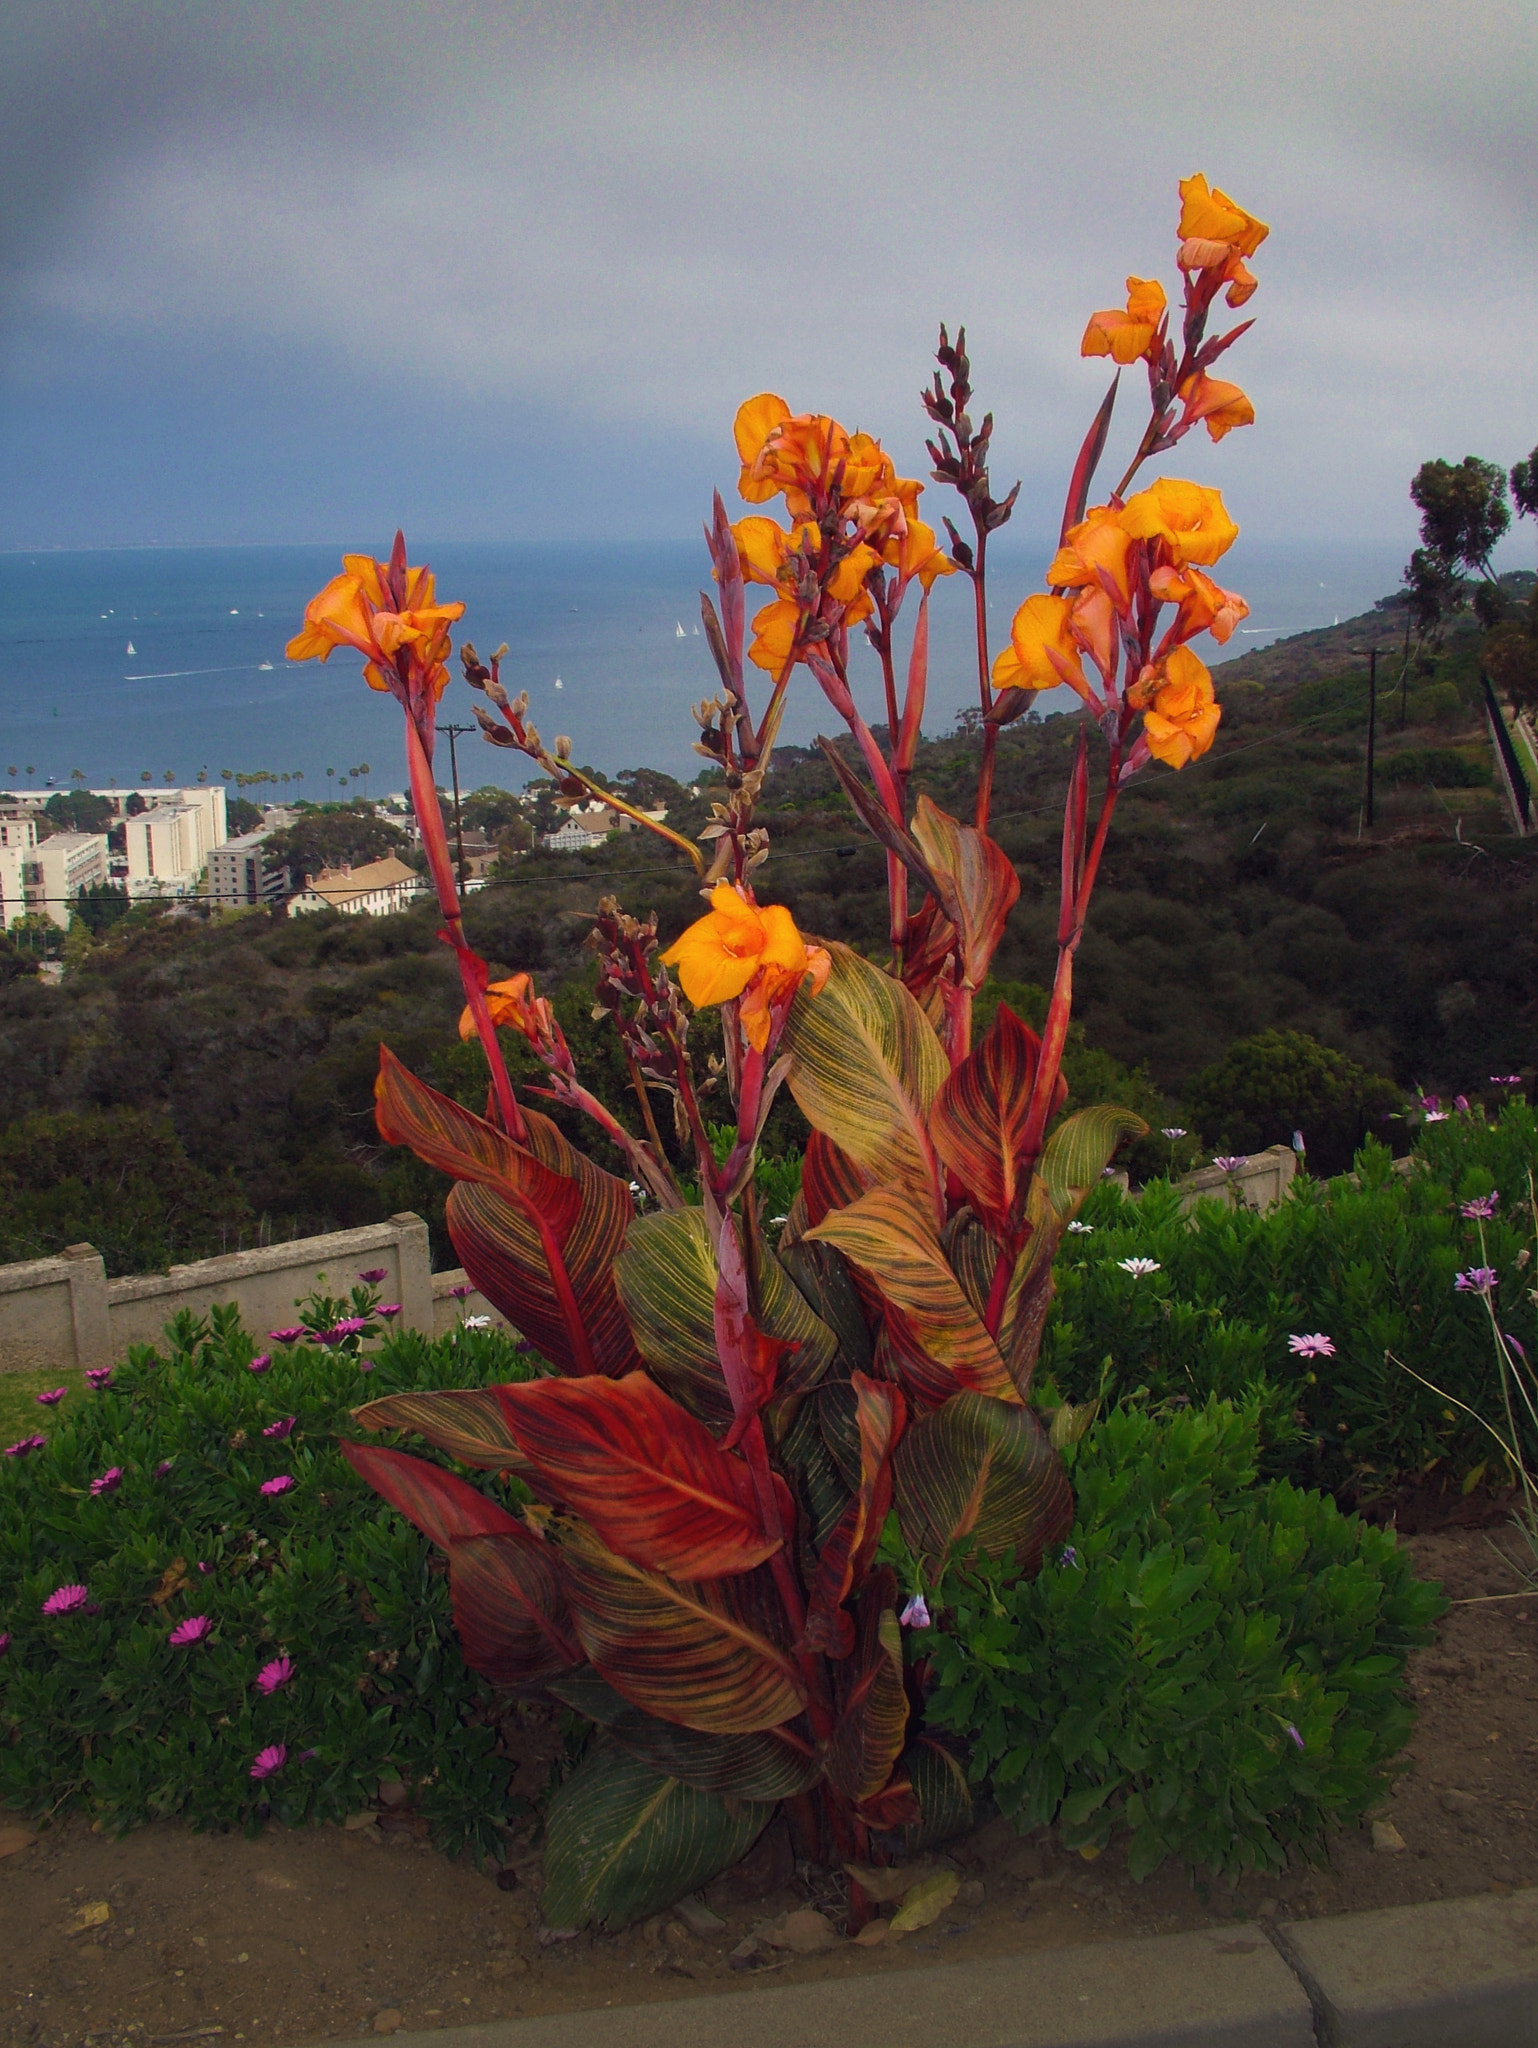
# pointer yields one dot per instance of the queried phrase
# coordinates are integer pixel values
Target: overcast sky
(296, 272)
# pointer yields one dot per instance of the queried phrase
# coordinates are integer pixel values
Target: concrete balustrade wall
(65, 1311)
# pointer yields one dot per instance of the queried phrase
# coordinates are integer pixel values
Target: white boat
(678, 630)
(264, 664)
(559, 684)
(130, 648)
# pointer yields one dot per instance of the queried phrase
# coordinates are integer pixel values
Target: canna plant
(752, 1458)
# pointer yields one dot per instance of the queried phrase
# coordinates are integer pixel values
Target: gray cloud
(618, 223)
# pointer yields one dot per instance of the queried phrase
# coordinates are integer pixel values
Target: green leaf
(666, 1276)
(981, 1473)
(865, 1068)
(1081, 1148)
(623, 1841)
(771, 1764)
(939, 1781)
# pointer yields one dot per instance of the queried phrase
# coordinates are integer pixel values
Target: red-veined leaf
(510, 1608)
(750, 1359)
(771, 1763)
(974, 879)
(846, 1555)
(981, 1474)
(889, 1236)
(829, 1178)
(443, 1506)
(939, 1781)
(1088, 461)
(703, 1654)
(979, 1118)
(467, 1422)
(649, 1477)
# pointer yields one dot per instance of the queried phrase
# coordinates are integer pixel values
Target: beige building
(59, 867)
(374, 890)
(165, 850)
(18, 836)
(238, 872)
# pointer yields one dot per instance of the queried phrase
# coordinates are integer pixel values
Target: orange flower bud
(1126, 336)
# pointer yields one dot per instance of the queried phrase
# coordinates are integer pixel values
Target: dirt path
(296, 1937)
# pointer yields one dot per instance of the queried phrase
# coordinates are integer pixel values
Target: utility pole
(453, 732)
(1372, 727)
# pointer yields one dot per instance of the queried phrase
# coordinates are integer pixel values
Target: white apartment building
(238, 872)
(18, 835)
(58, 868)
(374, 890)
(165, 850)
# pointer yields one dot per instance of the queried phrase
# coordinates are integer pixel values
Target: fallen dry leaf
(926, 1902)
(894, 1882)
(873, 1933)
(96, 1914)
(172, 1580)
(14, 1840)
(355, 1821)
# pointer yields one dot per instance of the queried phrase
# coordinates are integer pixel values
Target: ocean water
(168, 662)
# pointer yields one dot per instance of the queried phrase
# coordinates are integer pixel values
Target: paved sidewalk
(1461, 1974)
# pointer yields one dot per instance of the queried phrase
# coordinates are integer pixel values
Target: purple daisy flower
(21, 1448)
(261, 1362)
(110, 1480)
(274, 1676)
(1505, 1080)
(98, 1376)
(163, 1468)
(1314, 1345)
(52, 1398)
(1230, 1162)
(459, 1293)
(5, 1642)
(270, 1761)
(283, 1428)
(375, 1274)
(1477, 1280)
(282, 1484)
(67, 1600)
(205, 1569)
(192, 1630)
(289, 1336)
(388, 1309)
(1482, 1208)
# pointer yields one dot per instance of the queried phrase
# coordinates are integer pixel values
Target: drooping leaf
(889, 1236)
(667, 1277)
(1081, 1148)
(501, 1251)
(872, 1704)
(874, 816)
(980, 1116)
(705, 1654)
(773, 1763)
(939, 1781)
(974, 879)
(981, 1474)
(443, 1506)
(460, 1143)
(926, 1901)
(813, 1473)
(467, 1422)
(866, 1067)
(880, 1412)
(623, 1841)
(927, 946)
(650, 1479)
(822, 1278)
(510, 1608)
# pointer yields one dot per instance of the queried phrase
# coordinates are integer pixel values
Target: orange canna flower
(1127, 336)
(774, 635)
(764, 547)
(356, 610)
(514, 1003)
(1205, 606)
(1095, 554)
(738, 949)
(1180, 713)
(918, 553)
(1191, 520)
(1210, 220)
(1221, 406)
(1042, 651)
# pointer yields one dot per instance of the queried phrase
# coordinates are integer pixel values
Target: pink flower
(205, 1569)
(67, 1600)
(261, 1362)
(1297, 1738)
(348, 1326)
(1430, 1101)
(274, 1676)
(1461, 1104)
(375, 1274)
(283, 1428)
(52, 1398)
(162, 1468)
(289, 1336)
(1437, 1116)
(388, 1309)
(1482, 1208)
(26, 1443)
(5, 1642)
(1315, 1346)
(1230, 1162)
(282, 1484)
(109, 1481)
(916, 1613)
(1505, 1080)
(270, 1761)
(192, 1630)
(1477, 1280)
(99, 1376)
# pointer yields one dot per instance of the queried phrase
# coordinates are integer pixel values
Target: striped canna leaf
(974, 879)
(622, 1840)
(704, 1654)
(979, 1474)
(467, 1422)
(980, 1116)
(880, 1412)
(770, 1763)
(865, 1068)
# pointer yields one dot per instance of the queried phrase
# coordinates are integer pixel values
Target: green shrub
(1209, 1667)
(98, 1709)
(1370, 1260)
(1266, 1087)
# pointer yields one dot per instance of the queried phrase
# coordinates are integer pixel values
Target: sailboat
(559, 684)
(678, 630)
(264, 664)
(130, 648)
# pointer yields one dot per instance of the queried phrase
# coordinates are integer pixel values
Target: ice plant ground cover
(756, 1455)
(164, 1635)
